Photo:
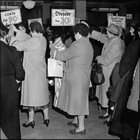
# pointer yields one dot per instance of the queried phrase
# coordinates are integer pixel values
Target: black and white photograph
(70, 69)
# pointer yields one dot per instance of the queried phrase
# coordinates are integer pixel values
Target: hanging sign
(63, 17)
(34, 20)
(11, 17)
(117, 20)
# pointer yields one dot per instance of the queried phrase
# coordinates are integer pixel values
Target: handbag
(97, 76)
(55, 68)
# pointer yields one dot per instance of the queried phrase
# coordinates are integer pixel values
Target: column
(46, 12)
(80, 9)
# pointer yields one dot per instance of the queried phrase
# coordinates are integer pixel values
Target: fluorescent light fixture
(9, 7)
(105, 9)
(29, 4)
(108, 9)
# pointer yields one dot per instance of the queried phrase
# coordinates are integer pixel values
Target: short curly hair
(36, 26)
(83, 29)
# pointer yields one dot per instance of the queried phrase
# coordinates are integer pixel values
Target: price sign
(63, 17)
(11, 17)
(117, 20)
(35, 20)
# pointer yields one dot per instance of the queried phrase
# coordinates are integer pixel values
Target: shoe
(73, 132)
(103, 117)
(46, 122)
(73, 124)
(108, 123)
(32, 124)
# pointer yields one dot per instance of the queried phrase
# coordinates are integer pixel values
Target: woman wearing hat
(11, 69)
(111, 54)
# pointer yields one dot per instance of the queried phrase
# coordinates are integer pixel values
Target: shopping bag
(55, 68)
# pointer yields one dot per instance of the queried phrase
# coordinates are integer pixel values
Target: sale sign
(117, 20)
(11, 17)
(63, 17)
(35, 20)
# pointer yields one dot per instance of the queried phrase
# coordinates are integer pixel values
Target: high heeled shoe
(32, 124)
(46, 122)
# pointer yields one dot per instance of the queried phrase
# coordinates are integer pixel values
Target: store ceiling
(90, 3)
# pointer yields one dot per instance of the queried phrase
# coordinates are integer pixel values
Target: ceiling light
(105, 9)
(29, 4)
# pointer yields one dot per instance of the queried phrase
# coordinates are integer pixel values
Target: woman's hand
(12, 27)
(52, 52)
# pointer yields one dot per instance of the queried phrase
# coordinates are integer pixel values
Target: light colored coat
(111, 54)
(35, 86)
(20, 36)
(73, 97)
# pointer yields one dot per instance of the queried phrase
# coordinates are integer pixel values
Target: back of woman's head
(82, 28)
(36, 26)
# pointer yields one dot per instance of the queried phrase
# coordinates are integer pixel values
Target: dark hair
(3, 30)
(36, 26)
(135, 27)
(82, 29)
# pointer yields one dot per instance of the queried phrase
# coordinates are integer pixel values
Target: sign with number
(35, 20)
(63, 17)
(117, 20)
(11, 17)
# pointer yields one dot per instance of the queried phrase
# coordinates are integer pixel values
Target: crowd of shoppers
(125, 120)
(118, 59)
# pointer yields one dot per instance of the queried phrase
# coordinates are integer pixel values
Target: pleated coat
(73, 97)
(35, 86)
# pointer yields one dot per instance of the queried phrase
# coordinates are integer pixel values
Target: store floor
(58, 128)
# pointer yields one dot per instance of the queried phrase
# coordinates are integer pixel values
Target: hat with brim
(113, 29)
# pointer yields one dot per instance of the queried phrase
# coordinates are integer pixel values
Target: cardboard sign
(11, 17)
(34, 20)
(117, 20)
(63, 17)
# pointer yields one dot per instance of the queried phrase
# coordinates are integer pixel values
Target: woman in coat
(124, 121)
(73, 97)
(111, 54)
(34, 94)
(11, 69)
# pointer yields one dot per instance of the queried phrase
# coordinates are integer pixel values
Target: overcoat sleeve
(67, 54)
(99, 36)
(30, 44)
(113, 53)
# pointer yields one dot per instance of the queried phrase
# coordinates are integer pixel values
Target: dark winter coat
(10, 70)
(123, 124)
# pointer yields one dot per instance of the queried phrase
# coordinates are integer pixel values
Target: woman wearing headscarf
(73, 98)
(11, 69)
